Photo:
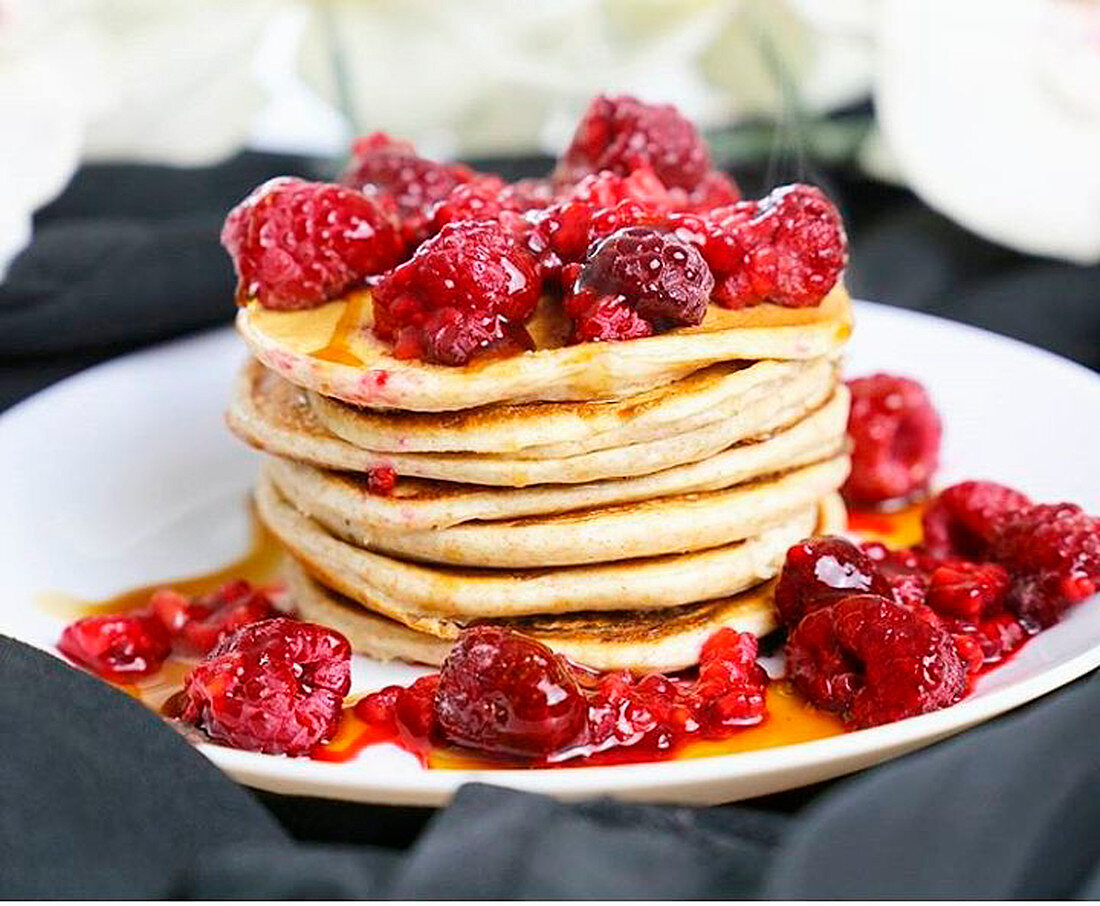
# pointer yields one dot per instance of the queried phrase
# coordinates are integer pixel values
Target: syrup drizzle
(338, 348)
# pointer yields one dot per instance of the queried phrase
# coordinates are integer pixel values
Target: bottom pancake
(664, 640)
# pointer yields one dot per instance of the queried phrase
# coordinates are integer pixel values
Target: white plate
(125, 475)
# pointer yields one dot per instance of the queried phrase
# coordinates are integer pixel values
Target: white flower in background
(991, 109)
(170, 81)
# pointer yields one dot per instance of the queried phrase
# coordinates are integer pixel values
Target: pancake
(556, 430)
(417, 504)
(437, 599)
(663, 640)
(332, 351)
(274, 416)
(641, 528)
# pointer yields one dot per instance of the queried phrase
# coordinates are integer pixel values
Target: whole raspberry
(969, 591)
(593, 209)
(987, 641)
(875, 661)
(415, 184)
(118, 647)
(504, 693)
(662, 279)
(622, 134)
(895, 432)
(276, 686)
(963, 520)
(469, 288)
(788, 248)
(297, 244)
(818, 572)
(1053, 552)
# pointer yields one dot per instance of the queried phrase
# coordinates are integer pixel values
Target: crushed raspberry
(120, 648)
(963, 520)
(818, 572)
(276, 686)
(987, 642)
(466, 290)
(788, 248)
(381, 481)
(660, 279)
(414, 184)
(297, 244)
(895, 433)
(196, 625)
(504, 693)
(622, 134)
(875, 661)
(968, 591)
(907, 571)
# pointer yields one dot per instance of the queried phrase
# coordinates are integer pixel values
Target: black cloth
(100, 798)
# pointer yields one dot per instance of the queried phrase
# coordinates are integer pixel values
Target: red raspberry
(963, 520)
(895, 433)
(968, 591)
(120, 648)
(297, 244)
(276, 686)
(988, 641)
(788, 248)
(381, 481)
(818, 572)
(593, 209)
(906, 571)
(1053, 551)
(715, 191)
(465, 290)
(488, 198)
(415, 184)
(503, 693)
(622, 134)
(875, 661)
(655, 275)
(196, 625)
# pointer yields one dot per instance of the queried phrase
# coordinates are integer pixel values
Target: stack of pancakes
(618, 501)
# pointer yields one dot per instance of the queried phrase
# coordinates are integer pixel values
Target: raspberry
(503, 693)
(716, 190)
(297, 244)
(276, 686)
(593, 209)
(196, 625)
(381, 481)
(969, 591)
(1053, 551)
(467, 289)
(655, 713)
(875, 661)
(788, 248)
(661, 279)
(622, 134)
(962, 520)
(987, 641)
(119, 648)
(895, 433)
(906, 571)
(818, 572)
(413, 183)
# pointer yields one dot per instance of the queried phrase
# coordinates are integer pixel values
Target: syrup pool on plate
(789, 719)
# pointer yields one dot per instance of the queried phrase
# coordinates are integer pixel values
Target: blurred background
(961, 138)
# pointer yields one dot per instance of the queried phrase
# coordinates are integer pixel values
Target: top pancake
(332, 351)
